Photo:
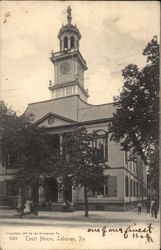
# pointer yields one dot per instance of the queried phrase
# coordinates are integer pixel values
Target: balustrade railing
(59, 53)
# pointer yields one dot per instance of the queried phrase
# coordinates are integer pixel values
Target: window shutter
(112, 186)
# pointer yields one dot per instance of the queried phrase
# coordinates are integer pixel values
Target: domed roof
(69, 26)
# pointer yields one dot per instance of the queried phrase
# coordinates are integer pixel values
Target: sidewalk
(97, 216)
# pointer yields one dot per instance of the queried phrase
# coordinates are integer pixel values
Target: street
(10, 216)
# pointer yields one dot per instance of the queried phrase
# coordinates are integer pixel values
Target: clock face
(64, 67)
(51, 120)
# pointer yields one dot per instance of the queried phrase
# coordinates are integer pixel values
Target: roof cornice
(50, 114)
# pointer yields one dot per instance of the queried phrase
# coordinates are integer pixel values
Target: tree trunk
(36, 196)
(86, 201)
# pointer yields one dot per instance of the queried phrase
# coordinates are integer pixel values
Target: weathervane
(69, 17)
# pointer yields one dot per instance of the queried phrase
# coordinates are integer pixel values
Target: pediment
(53, 120)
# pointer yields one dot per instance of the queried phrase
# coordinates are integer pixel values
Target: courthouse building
(67, 110)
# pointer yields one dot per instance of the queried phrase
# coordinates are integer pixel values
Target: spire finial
(69, 17)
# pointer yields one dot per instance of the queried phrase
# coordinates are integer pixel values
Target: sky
(114, 34)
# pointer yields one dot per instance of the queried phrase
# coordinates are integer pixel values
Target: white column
(60, 194)
(61, 142)
(42, 195)
(74, 195)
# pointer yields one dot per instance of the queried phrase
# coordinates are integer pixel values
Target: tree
(35, 158)
(81, 163)
(9, 125)
(153, 172)
(26, 148)
(136, 121)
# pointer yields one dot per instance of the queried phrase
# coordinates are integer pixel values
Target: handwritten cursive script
(136, 232)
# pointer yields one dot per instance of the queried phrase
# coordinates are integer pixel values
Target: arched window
(100, 142)
(126, 186)
(65, 42)
(72, 42)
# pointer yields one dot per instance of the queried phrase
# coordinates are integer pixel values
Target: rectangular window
(131, 187)
(126, 186)
(103, 189)
(137, 189)
(102, 145)
(134, 188)
(108, 187)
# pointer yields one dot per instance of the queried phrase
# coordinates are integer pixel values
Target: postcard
(79, 111)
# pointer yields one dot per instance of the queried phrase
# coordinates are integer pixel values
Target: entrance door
(68, 190)
(52, 189)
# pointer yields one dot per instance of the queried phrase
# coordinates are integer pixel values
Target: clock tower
(69, 64)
